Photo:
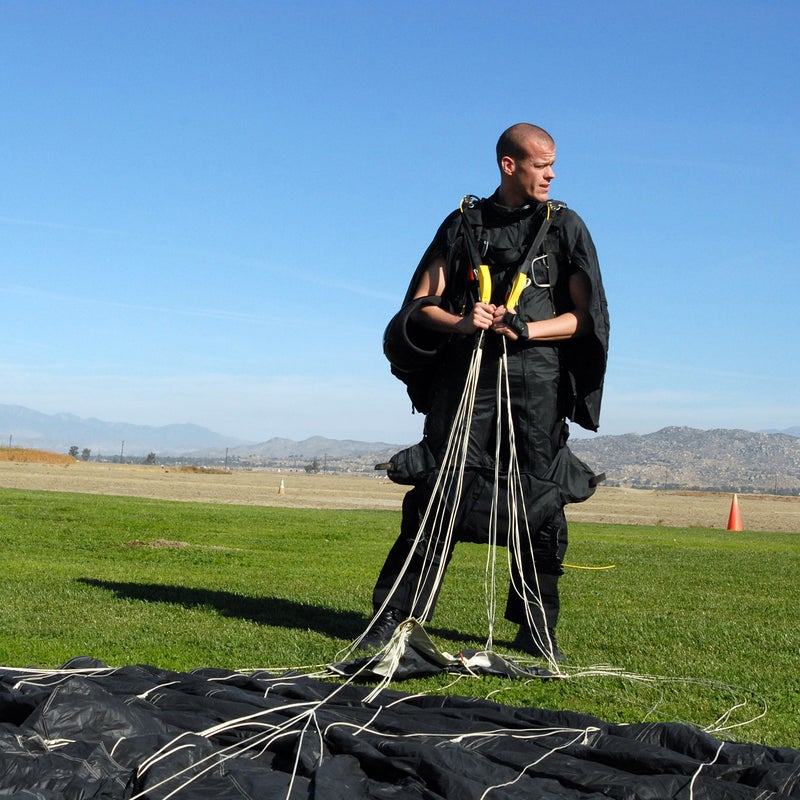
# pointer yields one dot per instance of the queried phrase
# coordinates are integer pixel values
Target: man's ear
(507, 165)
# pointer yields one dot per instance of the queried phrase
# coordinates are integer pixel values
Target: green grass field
(712, 613)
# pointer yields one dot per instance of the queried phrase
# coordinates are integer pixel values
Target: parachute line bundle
(436, 530)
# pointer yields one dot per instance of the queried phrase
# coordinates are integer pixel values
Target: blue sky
(210, 210)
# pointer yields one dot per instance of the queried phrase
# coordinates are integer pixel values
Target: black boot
(537, 646)
(541, 640)
(382, 629)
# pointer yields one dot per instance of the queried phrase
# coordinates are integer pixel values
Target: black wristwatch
(516, 324)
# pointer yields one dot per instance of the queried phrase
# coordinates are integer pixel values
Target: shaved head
(513, 140)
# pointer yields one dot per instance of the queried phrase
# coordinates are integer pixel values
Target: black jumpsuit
(542, 392)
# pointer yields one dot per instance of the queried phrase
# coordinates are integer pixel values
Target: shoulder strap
(526, 268)
(552, 207)
(470, 203)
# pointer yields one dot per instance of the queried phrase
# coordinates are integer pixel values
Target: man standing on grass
(555, 341)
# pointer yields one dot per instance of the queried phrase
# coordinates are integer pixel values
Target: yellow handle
(484, 283)
(516, 291)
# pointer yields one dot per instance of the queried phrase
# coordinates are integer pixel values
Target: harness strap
(473, 251)
(526, 268)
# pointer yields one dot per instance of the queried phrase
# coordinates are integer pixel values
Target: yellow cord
(576, 566)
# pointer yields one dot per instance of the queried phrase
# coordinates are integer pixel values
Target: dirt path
(609, 504)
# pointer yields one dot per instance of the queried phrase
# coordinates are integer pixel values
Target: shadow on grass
(460, 639)
(273, 611)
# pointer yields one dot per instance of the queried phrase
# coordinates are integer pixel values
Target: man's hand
(480, 318)
(508, 324)
(438, 319)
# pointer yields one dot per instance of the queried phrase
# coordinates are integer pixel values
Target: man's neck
(513, 203)
(513, 200)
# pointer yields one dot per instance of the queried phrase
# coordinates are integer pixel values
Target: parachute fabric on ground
(412, 654)
(142, 733)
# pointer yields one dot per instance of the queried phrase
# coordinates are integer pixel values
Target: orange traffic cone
(735, 518)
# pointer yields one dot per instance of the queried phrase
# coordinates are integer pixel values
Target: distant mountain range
(674, 457)
(681, 457)
(23, 427)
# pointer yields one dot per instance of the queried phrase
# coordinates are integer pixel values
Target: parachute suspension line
(439, 540)
(267, 730)
(443, 502)
(490, 577)
(436, 528)
(582, 737)
(704, 764)
(446, 495)
(195, 771)
(530, 593)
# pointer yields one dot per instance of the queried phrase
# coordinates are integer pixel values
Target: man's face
(529, 177)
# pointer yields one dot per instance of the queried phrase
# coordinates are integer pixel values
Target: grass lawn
(712, 613)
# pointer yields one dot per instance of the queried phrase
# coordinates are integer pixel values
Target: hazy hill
(794, 431)
(684, 457)
(23, 427)
(677, 457)
(314, 447)
(690, 458)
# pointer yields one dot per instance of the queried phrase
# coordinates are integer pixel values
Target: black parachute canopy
(141, 732)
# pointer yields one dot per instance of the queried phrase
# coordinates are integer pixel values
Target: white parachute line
(146, 695)
(263, 739)
(212, 760)
(490, 576)
(173, 746)
(436, 520)
(581, 736)
(515, 494)
(52, 677)
(249, 719)
(716, 727)
(449, 483)
(309, 670)
(394, 651)
(441, 536)
(457, 737)
(312, 717)
(704, 764)
(434, 690)
(531, 594)
(358, 728)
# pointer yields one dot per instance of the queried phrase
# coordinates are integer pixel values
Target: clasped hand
(487, 316)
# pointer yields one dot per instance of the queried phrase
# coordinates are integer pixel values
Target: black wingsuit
(549, 381)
